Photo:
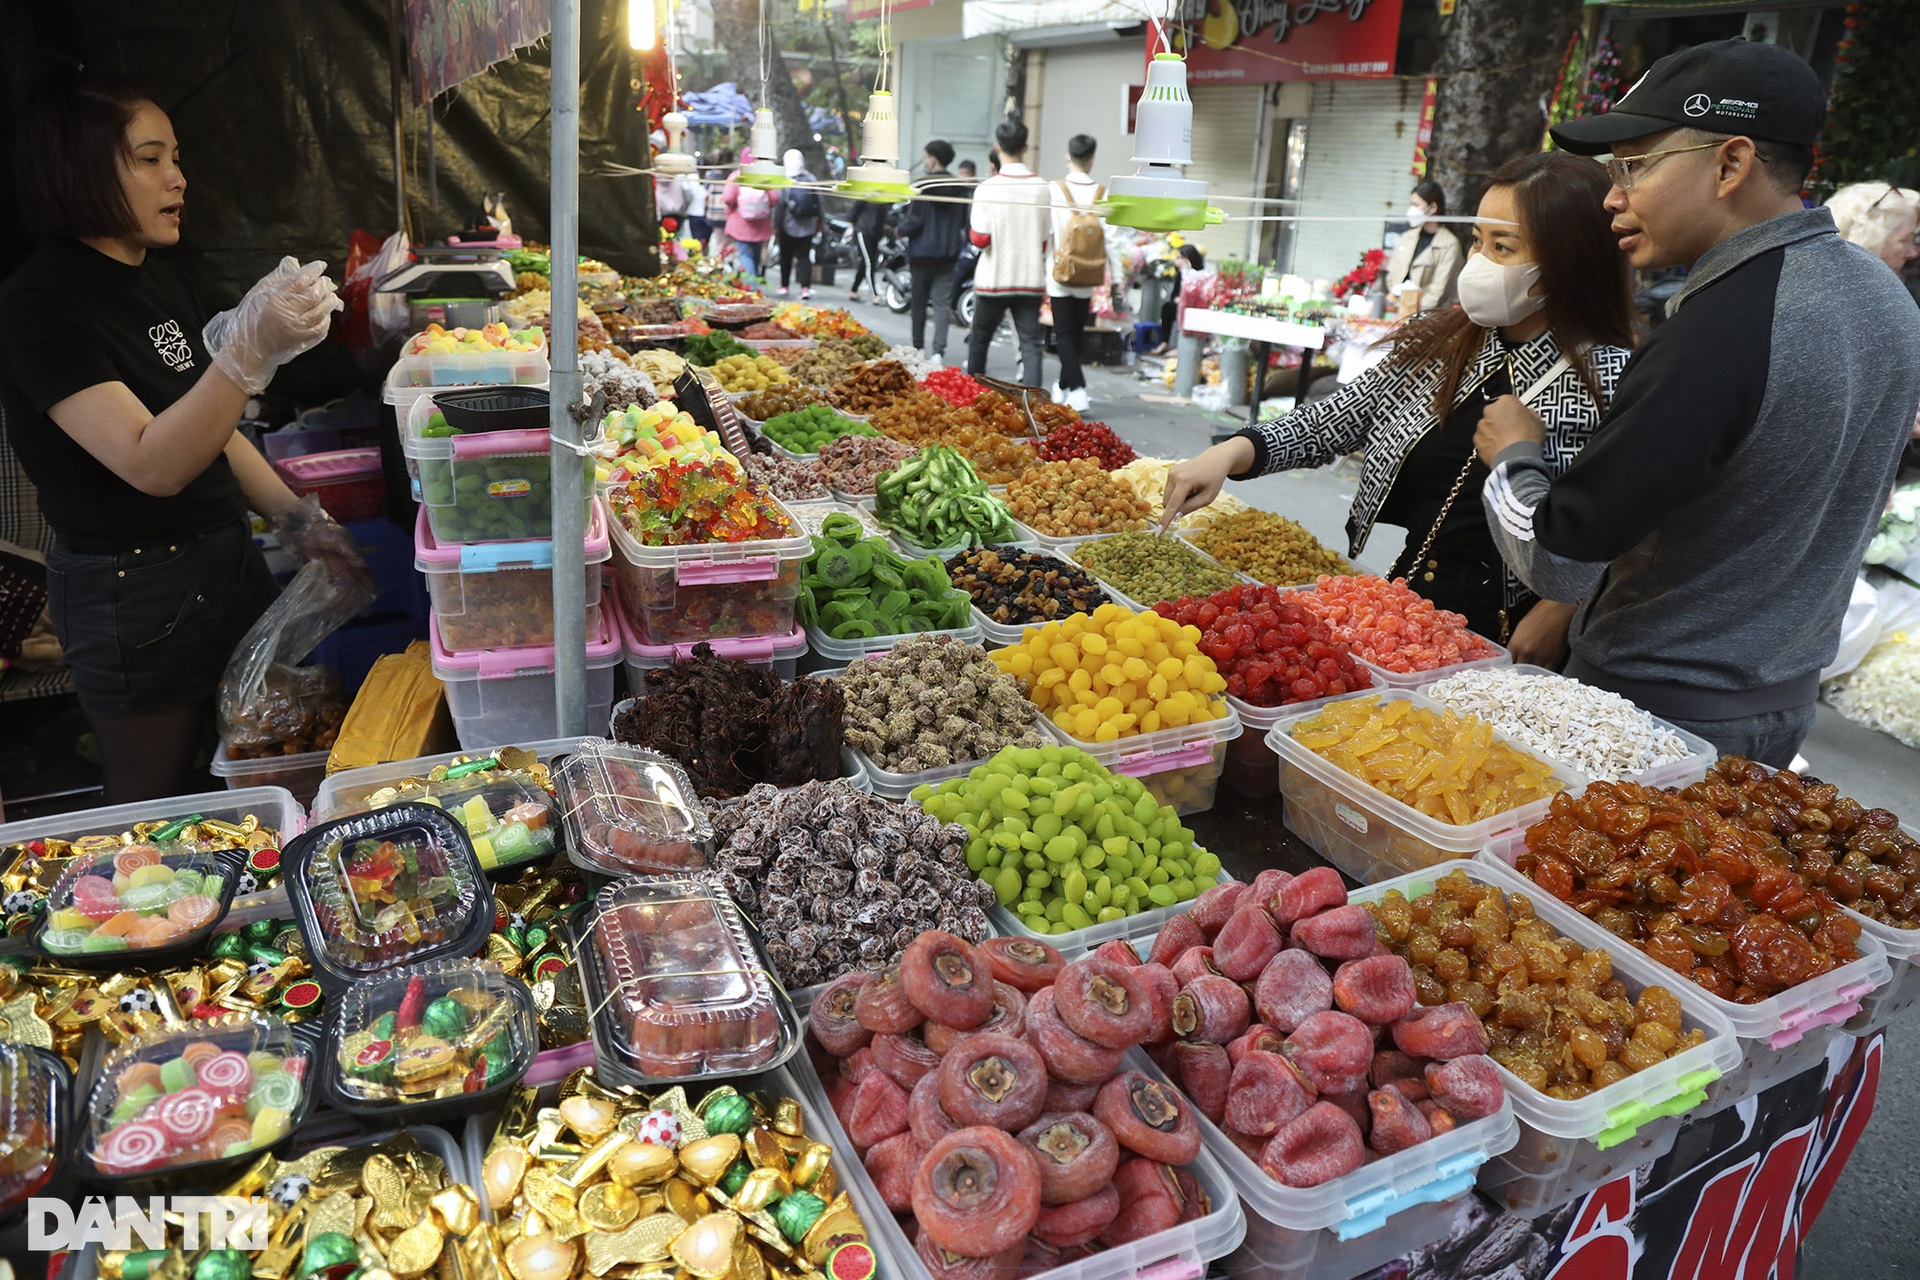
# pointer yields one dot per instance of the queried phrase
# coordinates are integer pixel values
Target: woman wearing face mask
(1546, 315)
(1427, 256)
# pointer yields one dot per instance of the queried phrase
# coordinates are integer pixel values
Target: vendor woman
(1545, 314)
(122, 396)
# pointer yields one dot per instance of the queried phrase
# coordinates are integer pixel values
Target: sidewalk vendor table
(1264, 333)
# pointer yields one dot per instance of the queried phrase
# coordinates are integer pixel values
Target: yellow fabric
(400, 713)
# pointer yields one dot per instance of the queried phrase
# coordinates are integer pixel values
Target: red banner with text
(1255, 41)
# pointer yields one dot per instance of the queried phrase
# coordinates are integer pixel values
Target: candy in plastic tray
(133, 904)
(630, 811)
(395, 886)
(34, 1094)
(445, 1029)
(211, 1091)
(509, 817)
(684, 993)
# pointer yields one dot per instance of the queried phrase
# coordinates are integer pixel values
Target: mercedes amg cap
(1729, 86)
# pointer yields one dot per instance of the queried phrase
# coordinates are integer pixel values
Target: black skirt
(151, 630)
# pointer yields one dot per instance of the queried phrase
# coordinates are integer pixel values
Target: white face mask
(1495, 296)
(1415, 215)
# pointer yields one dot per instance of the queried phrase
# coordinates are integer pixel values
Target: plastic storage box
(813, 512)
(1678, 773)
(160, 1108)
(493, 486)
(1567, 1148)
(501, 696)
(824, 651)
(1902, 990)
(1414, 679)
(348, 482)
(499, 595)
(1365, 832)
(298, 775)
(1181, 1252)
(413, 378)
(780, 653)
(349, 790)
(678, 986)
(36, 1122)
(1780, 1036)
(711, 591)
(1180, 766)
(485, 1017)
(630, 812)
(510, 818)
(143, 906)
(374, 891)
(1252, 769)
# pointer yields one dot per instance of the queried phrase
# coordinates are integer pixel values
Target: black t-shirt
(73, 318)
(1427, 475)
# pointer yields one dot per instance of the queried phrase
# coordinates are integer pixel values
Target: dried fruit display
(817, 322)
(840, 881)
(1598, 732)
(1449, 767)
(1147, 477)
(1276, 1027)
(1029, 1140)
(1695, 888)
(697, 500)
(936, 499)
(1270, 648)
(1054, 795)
(853, 464)
(873, 387)
(953, 386)
(806, 430)
(1393, 626)
(749, 372)
(1015, 587)
(1857, 854)
(1149, 568)
(764, 406)
(1555, 1015)
(1094, 440)
(932, 701)
(925, 420)
(826, 364)
(1114, 673)
(1271, 548)
(733, 725)
(1074, 497)
(789, 479)
(855, 587)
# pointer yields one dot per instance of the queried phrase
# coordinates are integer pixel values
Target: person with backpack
(935, 227)
(1076, 267)
(798, 222)
(749, 218)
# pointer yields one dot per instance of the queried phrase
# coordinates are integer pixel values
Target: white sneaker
(783, 291)
(1059, 396)
(1077, 400)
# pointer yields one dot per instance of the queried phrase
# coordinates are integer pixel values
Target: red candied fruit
(1391, 625)
(1271, 649)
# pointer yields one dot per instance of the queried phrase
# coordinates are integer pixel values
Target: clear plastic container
(493, 486)
(1181, 1252)
(1179, 766)
(1567, 1148)
(36, 1125)
(1676, 773)
(298, 775)
(1414, 679)
(499, 595)
(1001, 634)
(352, 790)
(630, 812)
(1780, 1036)
(412, 379)
(712, 591)
(510, 818)
(140, 905)
(678, 985)
(381, 1073)
(812, 513)
(781, 653)
(163, 1107)
(1252, 769)
(501, 696)
(1365, 832)
(373, 891)
(1902, 990)
(824, 651)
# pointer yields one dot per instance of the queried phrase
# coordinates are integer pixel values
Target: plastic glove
(287, 312)
(309, 532)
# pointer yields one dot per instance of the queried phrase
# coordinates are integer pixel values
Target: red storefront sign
(862, 10)
(1254, 41)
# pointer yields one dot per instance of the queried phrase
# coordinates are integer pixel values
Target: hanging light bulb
(673, 160)
(764, 170)
(1157, 197)
(878, 177)
(640, 25)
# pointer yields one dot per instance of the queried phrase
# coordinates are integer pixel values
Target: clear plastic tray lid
(33, 1117)
(139, 899)
(399, 885)
(630, 811)
(431, 1031)
(681, 989)
(509, 816)
(209, 1091)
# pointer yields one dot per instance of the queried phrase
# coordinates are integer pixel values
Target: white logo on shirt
(171, 342)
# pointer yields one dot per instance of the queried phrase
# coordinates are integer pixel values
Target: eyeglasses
(1626, 170)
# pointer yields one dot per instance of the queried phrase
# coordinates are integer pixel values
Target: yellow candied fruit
(1171, 669)
(1130, 647)
(1020, 662)
(1106, 733)
(1064, 655)
(1136, 669)
(1142, 706)
(1093, 645)
(1111, 677)
(1086, 723)
(1149, 722)
(1115, 673)
(1157, 687)
(1108, 707)
(1080, 681)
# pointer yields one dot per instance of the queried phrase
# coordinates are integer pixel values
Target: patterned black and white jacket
(1387, 411)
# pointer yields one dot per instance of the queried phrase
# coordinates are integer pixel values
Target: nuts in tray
(1555, 1015)
(1149, 568)
(1859, 855)
(1073, 497)
(1269, 547)
(1692, 887)
(788, 479)
(1451, 768)
(1594, 730)
(1015, 587)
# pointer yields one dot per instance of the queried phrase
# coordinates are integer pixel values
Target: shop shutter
(1226, 124)
(1360, 137)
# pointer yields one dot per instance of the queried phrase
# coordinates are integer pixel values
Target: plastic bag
(268, 704)
(1857, 632)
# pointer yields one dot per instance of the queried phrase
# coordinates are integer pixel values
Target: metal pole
(569, 480)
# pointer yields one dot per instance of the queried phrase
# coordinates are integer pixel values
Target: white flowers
(1883, 692)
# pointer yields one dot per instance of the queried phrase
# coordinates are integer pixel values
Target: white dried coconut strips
(1600, 733)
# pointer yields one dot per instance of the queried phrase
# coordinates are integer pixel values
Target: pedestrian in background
(1009, 224)
(797, 218)
(1076, 266)
(869, 220)
(935, 228)
(749, 218)
(1426, 259)
(967, 171)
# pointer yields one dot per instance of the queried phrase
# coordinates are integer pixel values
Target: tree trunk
(736, 24)
(1497, 65)
(840, 95)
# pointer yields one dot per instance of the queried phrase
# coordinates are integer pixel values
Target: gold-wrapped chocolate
(608, 1206)
(645, 1240)
(705, 1249)
(416, 1249)
(590, 1165)
(456, 1210)
(762, 1187)
(814, 1160)
(764, 1150)
(788, 1118)
(707, 1158)
(642, 1164)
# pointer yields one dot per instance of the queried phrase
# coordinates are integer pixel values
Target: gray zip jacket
(1715, 523)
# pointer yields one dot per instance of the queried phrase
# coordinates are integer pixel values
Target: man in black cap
(1714, 526)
